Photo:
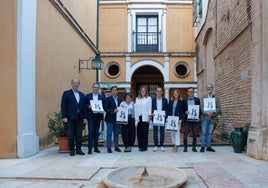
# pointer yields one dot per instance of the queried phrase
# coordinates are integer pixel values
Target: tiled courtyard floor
(48, 168)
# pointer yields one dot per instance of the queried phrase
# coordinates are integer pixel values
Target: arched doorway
(148, 76)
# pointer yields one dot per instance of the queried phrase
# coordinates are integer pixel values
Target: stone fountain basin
(160, 177)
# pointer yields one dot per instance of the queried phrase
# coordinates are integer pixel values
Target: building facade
(44, 44)
(147, 43)
(41, 43)
(230, 48)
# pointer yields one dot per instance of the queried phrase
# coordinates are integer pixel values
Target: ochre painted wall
(180, 34)
(85, 13)
(113, 39)
(113, 28)
(121, 62)
(58, 50)
(172, 75)
(113, 31)
(8, 79)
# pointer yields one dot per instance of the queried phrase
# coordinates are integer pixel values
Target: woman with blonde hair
(143, 109)
(175, 108)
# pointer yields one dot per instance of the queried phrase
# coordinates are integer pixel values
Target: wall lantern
(96, 63)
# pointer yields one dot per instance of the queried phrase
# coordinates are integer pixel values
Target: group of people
(77, 110)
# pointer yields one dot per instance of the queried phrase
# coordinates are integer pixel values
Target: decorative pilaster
(257, 145)
(27, 140)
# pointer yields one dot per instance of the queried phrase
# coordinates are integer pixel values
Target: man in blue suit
(191, 100)
(94, 118)
(73, 114)
(110, 105)
(159, 103)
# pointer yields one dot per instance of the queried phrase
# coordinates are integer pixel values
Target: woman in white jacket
(143, 109)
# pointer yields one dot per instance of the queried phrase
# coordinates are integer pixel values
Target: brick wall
(232, 17)
(230, 22)
(233, 80)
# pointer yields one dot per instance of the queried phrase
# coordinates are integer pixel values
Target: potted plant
(58, 128)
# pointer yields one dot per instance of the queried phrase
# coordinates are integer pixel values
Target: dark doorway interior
(147, 76)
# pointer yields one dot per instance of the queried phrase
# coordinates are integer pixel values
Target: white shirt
(115, 100)
(95, 97)
(159, 103)
(129, 106)
(76, 94)
(143, 107)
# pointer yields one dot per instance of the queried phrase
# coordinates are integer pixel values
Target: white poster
(209, 105)
(122, 115)
(173, 123)
(193, 112)
(159, 118)
(96, 106)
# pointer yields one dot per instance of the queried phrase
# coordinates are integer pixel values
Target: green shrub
(56, 125)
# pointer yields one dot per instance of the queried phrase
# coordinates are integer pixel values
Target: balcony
(146, 42)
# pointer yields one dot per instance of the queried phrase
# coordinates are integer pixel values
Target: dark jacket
(178, 110)
(218, 107)
(185, 107)
(70, 109)
(89, 112)
(109, 107)
(164, 105)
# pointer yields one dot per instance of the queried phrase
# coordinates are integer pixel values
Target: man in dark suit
(94, 118)
(191, 100)
(110, 105)
(73, 114)
(159, 103)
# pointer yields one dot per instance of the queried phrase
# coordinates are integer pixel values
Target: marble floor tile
(48, 168)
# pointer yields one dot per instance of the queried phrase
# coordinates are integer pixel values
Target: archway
(148, 76)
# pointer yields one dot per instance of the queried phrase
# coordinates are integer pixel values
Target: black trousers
(186, 132)
(93, 133)
(129, 132)
(74, 130)
(142, 135)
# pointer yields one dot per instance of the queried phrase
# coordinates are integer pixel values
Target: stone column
(258, 134)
